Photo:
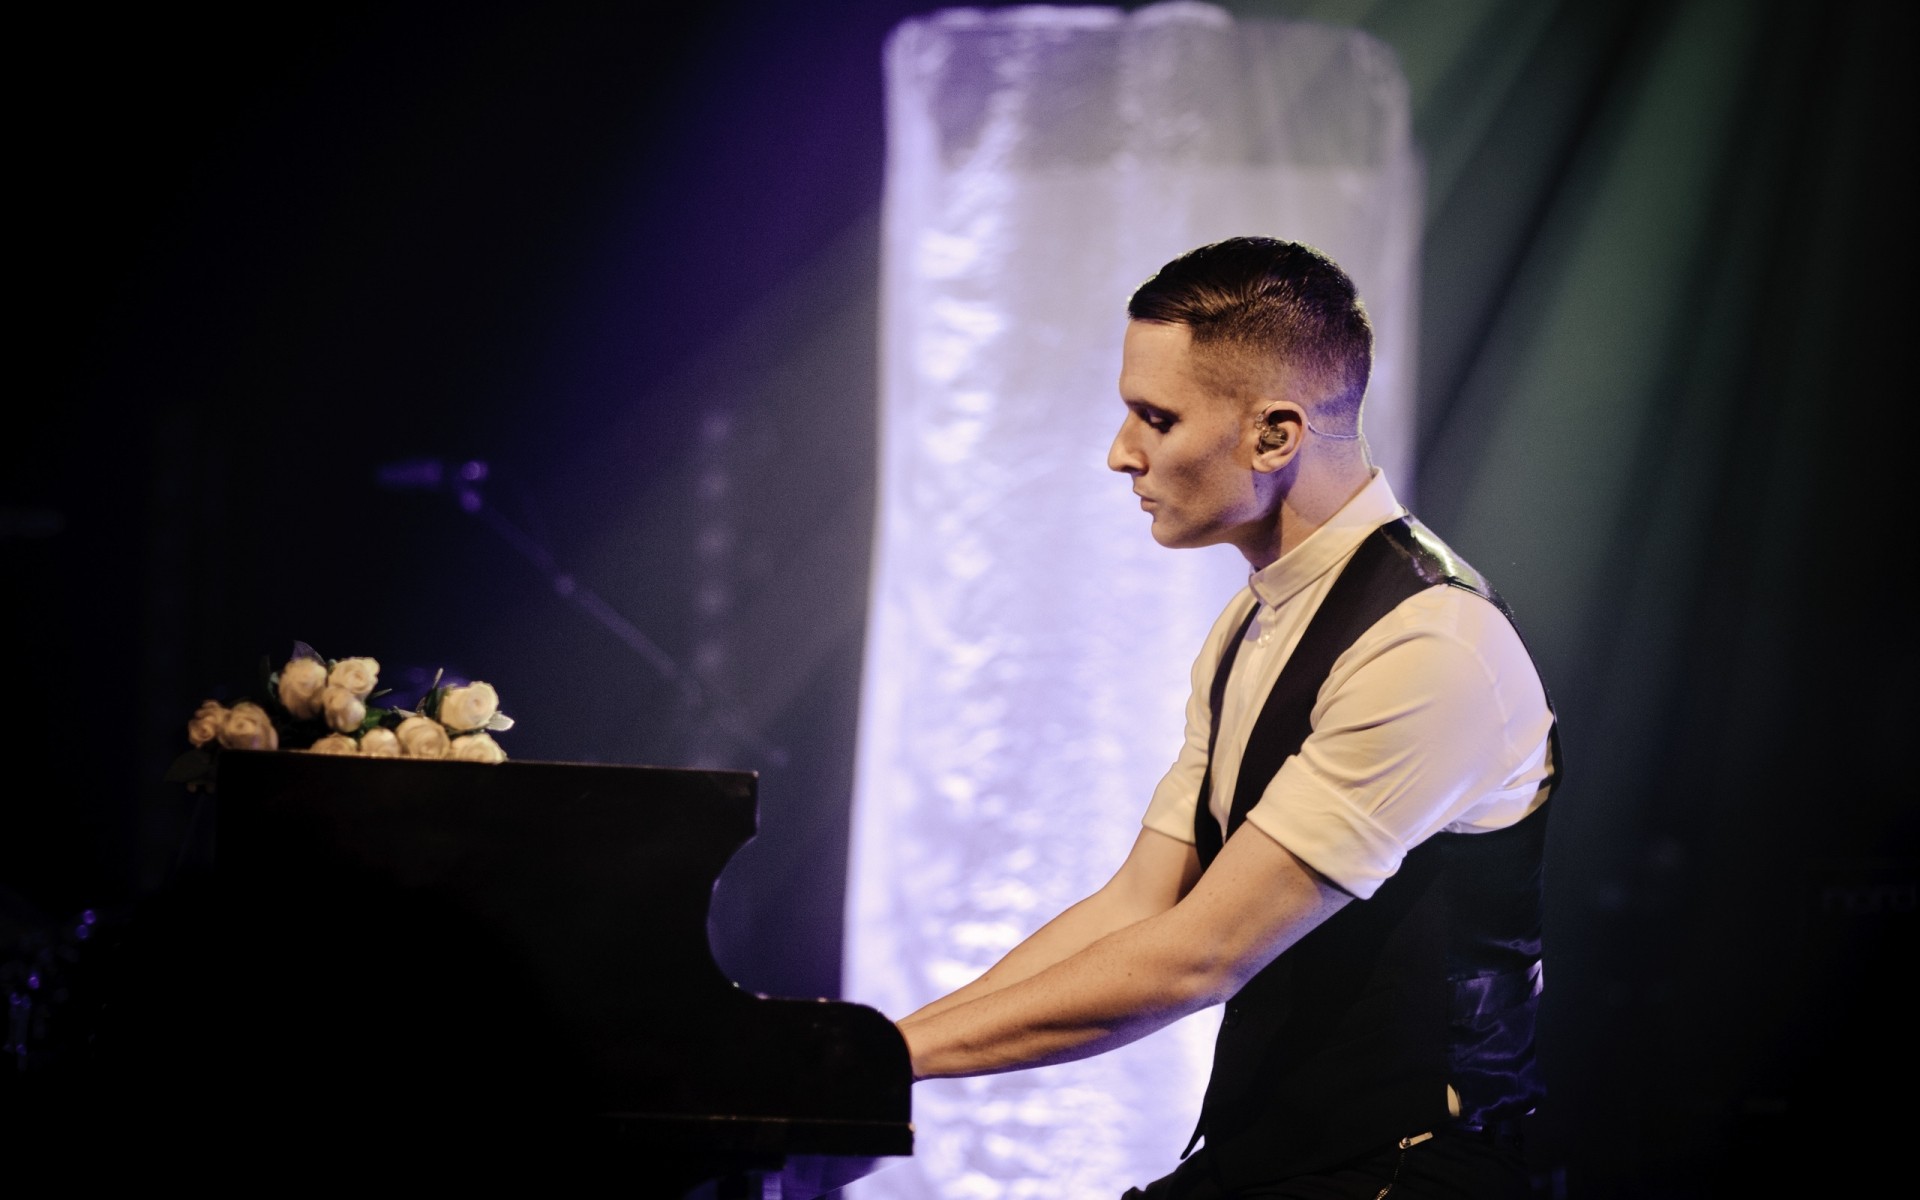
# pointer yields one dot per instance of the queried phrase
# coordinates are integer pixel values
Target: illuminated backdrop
(1028, 644)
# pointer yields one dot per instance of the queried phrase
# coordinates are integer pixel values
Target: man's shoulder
(1441, 596)
(1438, 564)
(1432, 558)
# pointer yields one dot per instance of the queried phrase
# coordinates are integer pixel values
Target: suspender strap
(1374, 581)
(1206, 830)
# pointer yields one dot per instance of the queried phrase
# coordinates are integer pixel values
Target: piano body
(492, 967)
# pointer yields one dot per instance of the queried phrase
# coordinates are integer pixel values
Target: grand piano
(474, 970)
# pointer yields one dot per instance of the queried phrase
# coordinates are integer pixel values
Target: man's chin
(1173, 539)
(1189, 538)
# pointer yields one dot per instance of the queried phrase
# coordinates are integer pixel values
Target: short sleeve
(1435, 719)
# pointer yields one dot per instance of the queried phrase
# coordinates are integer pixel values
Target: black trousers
(1454, 1164)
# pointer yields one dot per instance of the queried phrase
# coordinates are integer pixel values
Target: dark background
(627, 256)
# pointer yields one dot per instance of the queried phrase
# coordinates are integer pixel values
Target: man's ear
(1277, 434)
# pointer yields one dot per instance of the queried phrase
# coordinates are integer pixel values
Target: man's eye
(1159, 422)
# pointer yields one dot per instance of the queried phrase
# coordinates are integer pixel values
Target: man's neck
(1310, 501)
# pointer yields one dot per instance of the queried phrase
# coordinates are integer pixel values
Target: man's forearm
(1067, 934)
(1115, 990)
(1157, 872)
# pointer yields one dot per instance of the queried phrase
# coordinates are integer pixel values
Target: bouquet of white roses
(326, 706)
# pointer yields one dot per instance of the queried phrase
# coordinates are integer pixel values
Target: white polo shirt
(1435, 719)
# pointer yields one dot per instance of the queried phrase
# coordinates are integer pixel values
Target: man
(1347, 850)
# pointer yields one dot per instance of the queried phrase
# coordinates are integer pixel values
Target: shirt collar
(1328, 546)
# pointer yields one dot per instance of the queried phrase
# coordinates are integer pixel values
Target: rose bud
(477, 747)
(422, 737)
(380, 742)
(469, 707)
(205, 726)
(300, 683)
(357, 675)
(248, 727)
(343, 709)
(334, 743)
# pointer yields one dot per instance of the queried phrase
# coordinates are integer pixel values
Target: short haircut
(1253, 303)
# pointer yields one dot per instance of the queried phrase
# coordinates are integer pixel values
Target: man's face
(1189, 449)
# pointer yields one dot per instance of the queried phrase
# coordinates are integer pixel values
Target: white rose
(206, 723)
(380, 742)
(247, 727)
(477, 747)
(335, 743)
(422, 737)
(300, 683)
(469, 707)
(344, 710)
(357, 675)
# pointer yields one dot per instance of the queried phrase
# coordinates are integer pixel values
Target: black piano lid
(440, 957)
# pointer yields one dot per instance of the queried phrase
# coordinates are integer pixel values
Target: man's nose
(1123, 455)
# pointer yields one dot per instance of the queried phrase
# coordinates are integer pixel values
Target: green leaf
(277, 712)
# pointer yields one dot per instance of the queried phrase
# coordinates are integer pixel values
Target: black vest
(1347, 1042)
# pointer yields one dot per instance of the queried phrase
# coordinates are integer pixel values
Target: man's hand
(1255, 901)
